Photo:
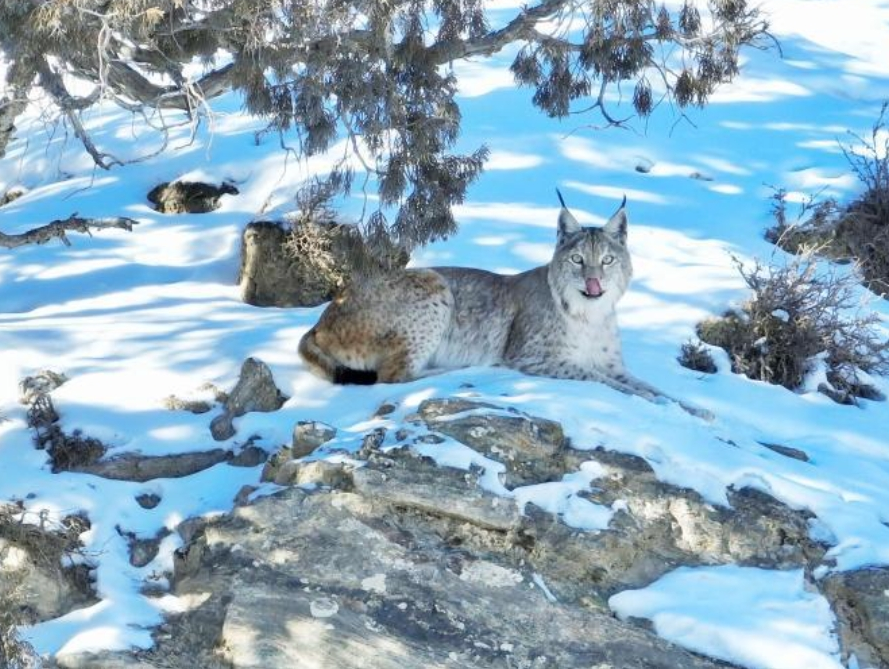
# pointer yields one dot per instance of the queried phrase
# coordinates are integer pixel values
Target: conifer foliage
(371, 74)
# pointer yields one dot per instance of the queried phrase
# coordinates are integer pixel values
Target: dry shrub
(695, 356)
(312, 243)
(14, 653)
(11, 195)
(856, 232)
(67, 452)
(798, 318)
(330, 253)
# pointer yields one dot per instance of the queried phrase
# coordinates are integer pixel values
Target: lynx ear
(568, 225)
(617, 224)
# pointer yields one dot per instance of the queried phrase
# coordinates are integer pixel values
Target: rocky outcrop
(386, 559)
(347, 580)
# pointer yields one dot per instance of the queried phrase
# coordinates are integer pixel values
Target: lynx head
(591, 267)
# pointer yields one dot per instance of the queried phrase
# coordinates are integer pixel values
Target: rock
(135, 467)
(309, 435)
(644, 165)
(399, 562)
(301, 266)
(319, 472)
(249, 456)
(285, 468)
(787, 451)
(861, 603)
(148, 500)
(104, 661)
(270, 275)
(255, 391)
(174, 403)
(188, 197)
(527, 445)
(181, 642)
(222, 427)
(341, 584)
(142, 549)
(442, 492)
(434, 409)
(664, 527)
(31, 572)
(384, 410)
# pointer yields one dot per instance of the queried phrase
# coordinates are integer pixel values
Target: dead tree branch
(59, 229)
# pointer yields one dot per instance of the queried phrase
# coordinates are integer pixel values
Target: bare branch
(58, 229)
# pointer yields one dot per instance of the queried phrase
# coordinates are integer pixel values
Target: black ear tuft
(617, 224)
(562, 200)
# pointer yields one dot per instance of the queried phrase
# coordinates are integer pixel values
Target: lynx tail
(329, 368)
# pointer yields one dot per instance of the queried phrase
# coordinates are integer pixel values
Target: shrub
(857, 231)
(329, 253)
(695, 355)
(14, 653)
(796, 324)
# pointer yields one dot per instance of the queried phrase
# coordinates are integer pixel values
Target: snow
(760, 619)
(132, 318)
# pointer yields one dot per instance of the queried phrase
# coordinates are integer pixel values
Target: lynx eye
(607, 260)
(576, 258)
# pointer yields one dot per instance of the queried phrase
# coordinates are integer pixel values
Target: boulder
(31, 568)
(298, 266)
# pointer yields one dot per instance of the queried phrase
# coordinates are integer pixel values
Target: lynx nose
(593, 287)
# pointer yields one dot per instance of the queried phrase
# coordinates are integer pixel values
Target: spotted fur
(544, 321)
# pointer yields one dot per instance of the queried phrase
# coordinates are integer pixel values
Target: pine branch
(521, 27)
(59, 229)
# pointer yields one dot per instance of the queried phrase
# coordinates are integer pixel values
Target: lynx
(557, 320)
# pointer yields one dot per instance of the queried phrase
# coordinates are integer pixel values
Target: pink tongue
(593, 287)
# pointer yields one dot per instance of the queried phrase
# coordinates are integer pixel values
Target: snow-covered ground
(131, 318)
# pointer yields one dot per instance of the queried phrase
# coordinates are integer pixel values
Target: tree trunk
(19, 80)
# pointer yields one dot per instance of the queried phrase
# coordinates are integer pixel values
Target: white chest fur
(592, 341)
